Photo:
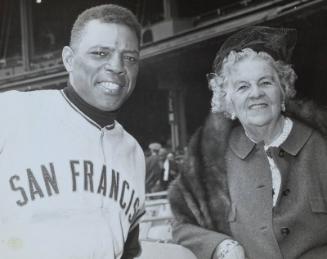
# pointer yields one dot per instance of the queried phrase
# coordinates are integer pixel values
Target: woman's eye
(266, 83)
(242, 87)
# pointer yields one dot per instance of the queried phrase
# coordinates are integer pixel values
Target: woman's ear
(229, 103)
(67, 58)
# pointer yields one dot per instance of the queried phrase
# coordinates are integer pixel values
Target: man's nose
(115, 64)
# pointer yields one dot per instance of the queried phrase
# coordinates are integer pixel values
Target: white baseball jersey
(69, 189)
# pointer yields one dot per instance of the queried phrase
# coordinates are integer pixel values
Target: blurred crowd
(162, 166)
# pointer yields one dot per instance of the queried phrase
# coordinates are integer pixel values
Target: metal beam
(215, 30)
(26, 33)
(37, 81)
(48, 77)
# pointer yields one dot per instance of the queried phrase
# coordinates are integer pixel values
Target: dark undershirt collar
(102, 118)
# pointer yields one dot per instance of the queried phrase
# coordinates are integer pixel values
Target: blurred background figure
(169, 168)
(154, 148)
(153, 167)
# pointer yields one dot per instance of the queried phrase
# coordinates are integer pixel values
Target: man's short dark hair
(108, 13)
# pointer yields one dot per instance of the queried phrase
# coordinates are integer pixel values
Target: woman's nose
(256, 91)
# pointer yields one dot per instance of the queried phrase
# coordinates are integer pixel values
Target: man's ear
(67, 58)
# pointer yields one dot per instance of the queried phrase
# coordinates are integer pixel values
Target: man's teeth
(109, 85)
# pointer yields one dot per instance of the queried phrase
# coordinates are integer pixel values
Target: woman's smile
(258, 103)
(258, 106)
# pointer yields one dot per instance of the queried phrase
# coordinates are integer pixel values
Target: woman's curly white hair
(219, 82)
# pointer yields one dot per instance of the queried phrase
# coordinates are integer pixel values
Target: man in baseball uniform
(71, 178)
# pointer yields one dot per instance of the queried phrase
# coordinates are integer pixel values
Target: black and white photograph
(163, 129)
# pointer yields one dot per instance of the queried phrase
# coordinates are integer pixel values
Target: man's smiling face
(104, 64)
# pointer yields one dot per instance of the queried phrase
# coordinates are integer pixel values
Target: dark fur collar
(200, 194)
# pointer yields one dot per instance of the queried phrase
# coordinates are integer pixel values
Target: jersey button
(285, 231)
(286, 192)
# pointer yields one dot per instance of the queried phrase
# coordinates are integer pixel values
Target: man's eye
(130, 59)
(99, 53)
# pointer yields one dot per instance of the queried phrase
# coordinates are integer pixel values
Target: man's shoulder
(128, 138)
(16, 98)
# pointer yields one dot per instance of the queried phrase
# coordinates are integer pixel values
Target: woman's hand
(229, 249)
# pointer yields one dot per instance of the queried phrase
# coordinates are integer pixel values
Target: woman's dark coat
(225, 190)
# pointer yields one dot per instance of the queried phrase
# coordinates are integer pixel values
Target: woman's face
(254, 92)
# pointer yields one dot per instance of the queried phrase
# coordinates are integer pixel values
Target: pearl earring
(283, 108)
(233, 116)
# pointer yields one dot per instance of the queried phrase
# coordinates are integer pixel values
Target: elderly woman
(255, 185)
